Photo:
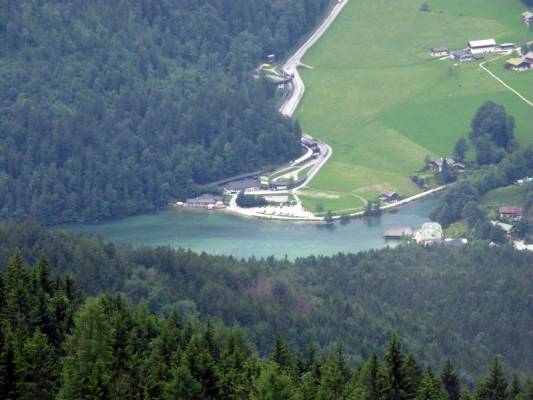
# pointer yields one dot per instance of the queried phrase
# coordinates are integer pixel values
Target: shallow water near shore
(216, 232)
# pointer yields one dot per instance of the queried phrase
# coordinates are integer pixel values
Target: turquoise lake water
(218, 232)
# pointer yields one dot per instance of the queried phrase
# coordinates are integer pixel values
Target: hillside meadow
(383, 104)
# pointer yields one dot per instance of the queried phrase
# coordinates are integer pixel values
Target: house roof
(527, 14)
(515, 62)
(529, 55)
(507, 45)
(439, 49)
(482, 43)
(511, 210)
(389, 194)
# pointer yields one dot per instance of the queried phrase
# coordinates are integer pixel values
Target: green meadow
(383, 104)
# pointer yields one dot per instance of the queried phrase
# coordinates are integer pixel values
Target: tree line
(464, 303)
(55, 343)
(114, 108)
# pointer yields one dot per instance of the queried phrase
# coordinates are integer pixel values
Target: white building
(482, 46)
(527, 17)
(431, 232)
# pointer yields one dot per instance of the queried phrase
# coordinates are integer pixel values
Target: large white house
(482, 46)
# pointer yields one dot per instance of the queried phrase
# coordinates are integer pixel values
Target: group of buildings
(429, 233)
(475, 50)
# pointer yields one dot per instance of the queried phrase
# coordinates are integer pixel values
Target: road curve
(291, 65)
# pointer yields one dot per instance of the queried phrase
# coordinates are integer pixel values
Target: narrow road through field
(482, 65)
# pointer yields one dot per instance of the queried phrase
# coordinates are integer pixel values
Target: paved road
(291, 65)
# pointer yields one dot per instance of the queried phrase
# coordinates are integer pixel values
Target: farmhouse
(430, 233)
(482, 46)
(439, 51)
(436, 165)
(462, 55)
(527, 17)
(517, 64)
(511, 213)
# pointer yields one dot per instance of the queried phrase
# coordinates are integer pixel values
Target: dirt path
(482, 65)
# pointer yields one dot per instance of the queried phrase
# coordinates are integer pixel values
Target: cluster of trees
(491, 134)
(114, 108)
(431, 295)
(462, 199)
(55, 343)
(248, 201)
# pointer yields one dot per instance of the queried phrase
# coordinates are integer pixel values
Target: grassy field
(376, 96)
(506, 196)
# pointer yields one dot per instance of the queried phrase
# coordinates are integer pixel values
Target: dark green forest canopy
(55, 344)
(467, 304)
(115, 108)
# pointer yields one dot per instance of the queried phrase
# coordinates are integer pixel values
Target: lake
(217, 232)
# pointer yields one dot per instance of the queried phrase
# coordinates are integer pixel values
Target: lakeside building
(396, 233)
(511, 213)
(429, 233)
(482, 46)
(205, 201)
(527, 17)
(441, 51)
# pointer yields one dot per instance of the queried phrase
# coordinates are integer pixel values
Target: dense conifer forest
(467, 304)
(114, 108)
(56, 343)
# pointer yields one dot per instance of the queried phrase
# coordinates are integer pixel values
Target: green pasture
(383, 104)
(506, 196)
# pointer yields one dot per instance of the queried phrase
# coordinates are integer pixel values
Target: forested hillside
(467, 304)
(55, 344)
(114, 108)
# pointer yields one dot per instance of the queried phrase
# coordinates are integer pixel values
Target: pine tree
(87, 364)
(495, 385)
(334, 377)
(273, 384)
(183, 385)
(450, 380)
(37, 369)
(393, 372)
(413, 373)
(282, 355)
(371, 378)
(8, 366)
(430, 388)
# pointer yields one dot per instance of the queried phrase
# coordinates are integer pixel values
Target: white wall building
(482, 46)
